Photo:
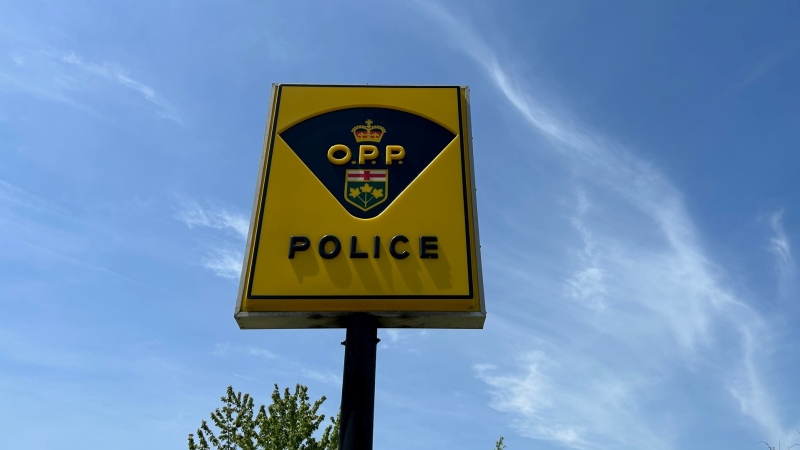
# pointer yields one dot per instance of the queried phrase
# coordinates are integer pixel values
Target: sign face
(365, 204)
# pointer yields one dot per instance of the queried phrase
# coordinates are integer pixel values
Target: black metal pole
(358, 384)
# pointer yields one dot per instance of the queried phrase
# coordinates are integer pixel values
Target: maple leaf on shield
(354, 192)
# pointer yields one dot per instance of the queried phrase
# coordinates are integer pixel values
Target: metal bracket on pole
(358, 383)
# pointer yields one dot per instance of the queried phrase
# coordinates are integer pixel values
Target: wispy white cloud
(768, 62)
(648, 277)
(15, 196)
(223, 260)
(246, 378)
(63, 76)
(586, 285)
(261, 352)
(221, 350)
(551, 401)
(401, 339)
(780, 246)
(49, 351)
(15, 347)
(326, 377)
(394, 335)
(18, 59)
(118, 74)
(27, 231)
(750, 391)
(193, 215)
(225, 350)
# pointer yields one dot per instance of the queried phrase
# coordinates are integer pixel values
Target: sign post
(358, 384)
(364, 217)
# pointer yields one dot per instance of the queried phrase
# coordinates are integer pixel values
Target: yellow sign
(365, 203)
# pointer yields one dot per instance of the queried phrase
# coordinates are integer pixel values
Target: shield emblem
(366, 189)
(422, 140)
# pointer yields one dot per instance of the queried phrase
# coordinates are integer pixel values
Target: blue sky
(635, 165)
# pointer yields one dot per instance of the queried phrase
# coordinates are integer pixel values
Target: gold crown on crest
(368, 132)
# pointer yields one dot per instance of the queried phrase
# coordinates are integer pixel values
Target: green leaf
(290, 422)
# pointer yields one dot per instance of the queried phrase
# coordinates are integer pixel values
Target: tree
(289, 423)
(500, 445)
(779, 444)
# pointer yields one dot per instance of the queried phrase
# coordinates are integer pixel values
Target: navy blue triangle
(422, 139)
